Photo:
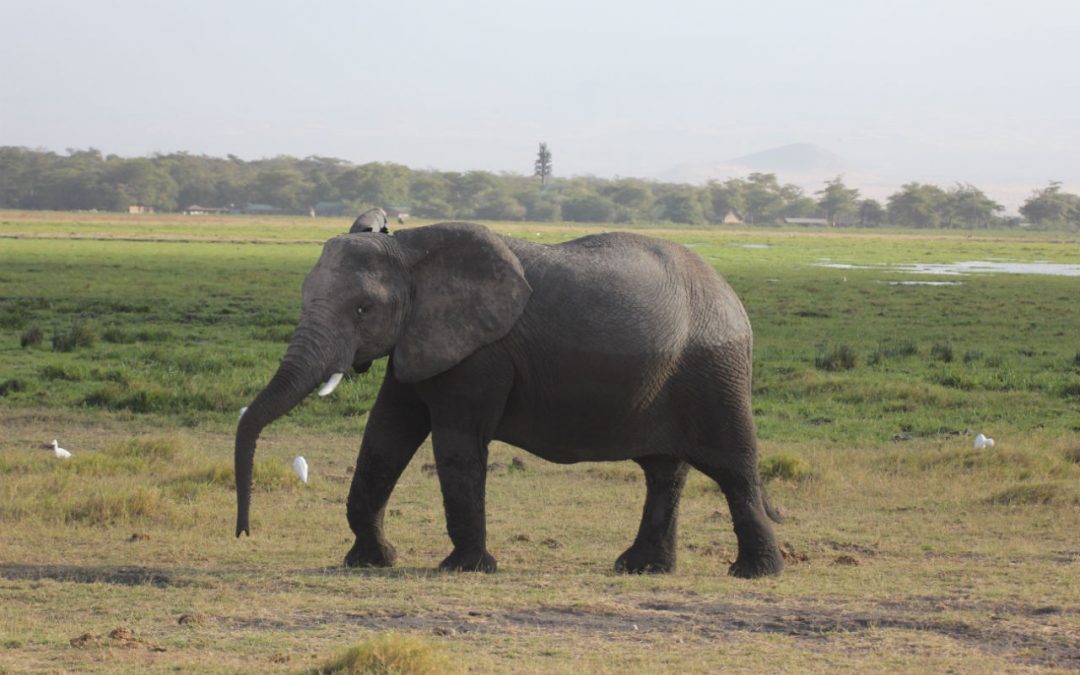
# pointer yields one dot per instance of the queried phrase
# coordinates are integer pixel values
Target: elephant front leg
(398, 424)
(461, 460)
(654, 548)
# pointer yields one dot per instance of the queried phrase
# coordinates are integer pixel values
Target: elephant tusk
(331, 384)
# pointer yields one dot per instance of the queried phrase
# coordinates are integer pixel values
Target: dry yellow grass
(899, 559)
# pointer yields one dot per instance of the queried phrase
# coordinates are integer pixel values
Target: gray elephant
(609, 347)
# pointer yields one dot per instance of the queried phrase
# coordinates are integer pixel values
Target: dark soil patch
(123, 576)
(1042, 645)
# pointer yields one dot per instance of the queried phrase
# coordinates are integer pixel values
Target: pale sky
(983, 91)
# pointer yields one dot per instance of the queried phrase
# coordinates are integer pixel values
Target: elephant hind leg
(653, 550)
(733, 465)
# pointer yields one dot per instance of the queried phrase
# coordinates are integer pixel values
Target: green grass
(190, 332)
(908, 550)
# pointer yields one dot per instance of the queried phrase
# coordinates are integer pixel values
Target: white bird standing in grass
(299, 465)
(983, 442)
(60, 452)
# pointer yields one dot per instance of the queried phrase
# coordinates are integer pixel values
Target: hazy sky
(985, 91)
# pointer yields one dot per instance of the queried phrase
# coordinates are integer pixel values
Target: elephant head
(431, 295)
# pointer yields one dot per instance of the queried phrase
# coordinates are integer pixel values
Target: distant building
(196, 210)
(140, 209)
(806, 222)
(731, 218)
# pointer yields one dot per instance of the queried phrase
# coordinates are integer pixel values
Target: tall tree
(916, 205)
(967, 206)
(542, 166)
(837, 200)
(1052, 207)
(871, 213)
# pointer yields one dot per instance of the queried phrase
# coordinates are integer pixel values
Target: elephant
(372, 220)
(614, 346)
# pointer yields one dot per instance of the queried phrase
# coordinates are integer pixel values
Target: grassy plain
(907, 548)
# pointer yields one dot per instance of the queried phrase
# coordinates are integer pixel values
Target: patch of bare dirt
(1041, 644)
(124, 576)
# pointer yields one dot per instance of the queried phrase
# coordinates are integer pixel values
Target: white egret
(299, 465)
(60, 452)
(982, 441)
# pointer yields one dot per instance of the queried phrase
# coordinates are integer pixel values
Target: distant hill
(796, 162)
(794, 158)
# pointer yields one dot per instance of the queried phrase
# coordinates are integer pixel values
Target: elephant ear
(468, 291)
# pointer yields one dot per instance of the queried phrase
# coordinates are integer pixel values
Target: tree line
(87, 179)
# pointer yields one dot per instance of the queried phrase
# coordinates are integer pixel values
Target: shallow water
(970, 267)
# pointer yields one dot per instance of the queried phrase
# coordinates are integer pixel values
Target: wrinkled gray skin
(610, 347)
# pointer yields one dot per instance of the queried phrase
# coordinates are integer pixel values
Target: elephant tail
(770, 510)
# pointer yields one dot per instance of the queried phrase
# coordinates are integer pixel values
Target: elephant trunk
(299, 373)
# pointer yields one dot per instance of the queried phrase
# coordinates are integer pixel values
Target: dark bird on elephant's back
(372, 220)
(609, 347)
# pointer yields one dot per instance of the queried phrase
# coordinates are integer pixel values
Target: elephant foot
(377, 555)
(468, 561)
(750, 565)
(645, 560)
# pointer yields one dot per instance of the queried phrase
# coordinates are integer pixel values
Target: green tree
(498, 205)
(542, 166)
(871, 213)
(683, 204)
(916, 205)
(1050, 207)
(763, 198)
(968, 207)
(429, 193)
(634, 200)
(375, 184)
(141, 181)
(837, 200)
(588, 207)
(727, 197)
(283, 186)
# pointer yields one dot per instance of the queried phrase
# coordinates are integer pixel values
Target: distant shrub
(68, 372)
(148, 448)
(972, 355)
(267, 476)
(890, 350)
(953, 380)
(840, 357)
(784, 466)
(12, 386)
(13, 317)
(1031, 493)
(1071, 390)
(32, 337)
(108, 508)
(79, 335)
(942, 351)
(390, 654)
